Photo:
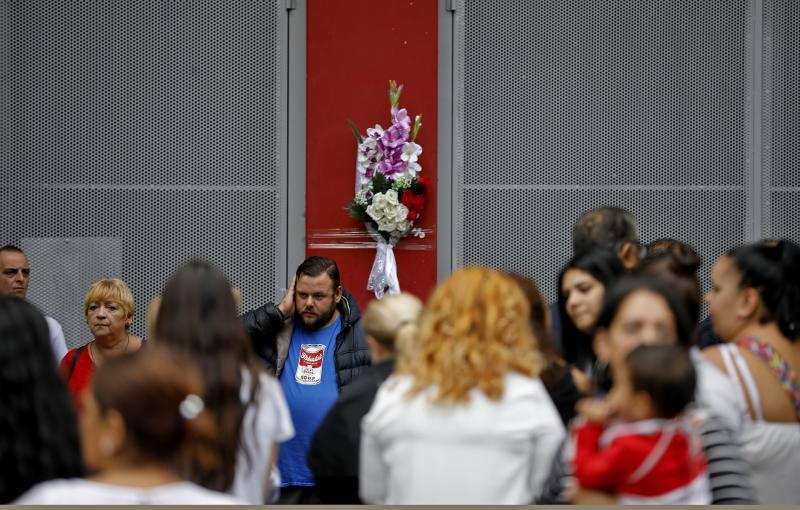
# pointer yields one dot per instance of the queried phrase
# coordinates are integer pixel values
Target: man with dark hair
(611, 228)
(15, 273)
(313, 342)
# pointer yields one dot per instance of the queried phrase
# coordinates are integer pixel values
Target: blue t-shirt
(309, 384)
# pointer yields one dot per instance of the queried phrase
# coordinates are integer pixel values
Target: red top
(81, 376)
(618, 465)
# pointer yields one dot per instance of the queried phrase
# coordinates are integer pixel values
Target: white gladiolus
(375, 132)
(413, 169)
(411, 152)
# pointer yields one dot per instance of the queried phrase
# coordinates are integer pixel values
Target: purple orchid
(400, 118)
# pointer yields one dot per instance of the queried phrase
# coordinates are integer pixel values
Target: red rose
(423, 181)
(414, 203)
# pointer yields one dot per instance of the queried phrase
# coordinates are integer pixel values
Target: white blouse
(78, 491)
(483, 452)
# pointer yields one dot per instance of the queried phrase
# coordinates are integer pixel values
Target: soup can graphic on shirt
(309, 366)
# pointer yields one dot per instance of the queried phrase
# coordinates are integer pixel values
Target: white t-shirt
(77, 491)
(484, 452)
(57, 341)
(263, 426)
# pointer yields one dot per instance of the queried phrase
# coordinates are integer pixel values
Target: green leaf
(357, 211)
(355, 131)
(394, 93)
(415, 129)
(380, 183)
(417, 188)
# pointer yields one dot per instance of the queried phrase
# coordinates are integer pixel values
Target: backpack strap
(75, 361)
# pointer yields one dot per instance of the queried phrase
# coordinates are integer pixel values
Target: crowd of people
(619, 392)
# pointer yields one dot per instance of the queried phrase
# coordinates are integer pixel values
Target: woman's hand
(582, 381)
(580, 496)
(594, 410)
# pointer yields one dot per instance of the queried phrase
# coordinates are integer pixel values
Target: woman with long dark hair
(38, 429)
(198, 316)
(582, 285)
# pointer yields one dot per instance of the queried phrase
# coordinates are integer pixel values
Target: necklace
(93, 354)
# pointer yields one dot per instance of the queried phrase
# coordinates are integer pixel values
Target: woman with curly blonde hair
(465, 419)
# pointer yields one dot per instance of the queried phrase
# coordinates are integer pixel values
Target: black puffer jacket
(271, 337)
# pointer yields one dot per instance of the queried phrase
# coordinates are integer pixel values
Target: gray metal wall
(658, 107)
(138, 134)
(781, 118)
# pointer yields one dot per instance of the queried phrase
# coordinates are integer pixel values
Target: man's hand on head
(286, 306)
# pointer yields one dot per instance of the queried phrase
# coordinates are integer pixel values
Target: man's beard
(318, 322)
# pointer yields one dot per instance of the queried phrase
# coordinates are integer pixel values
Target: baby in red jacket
(648, 454)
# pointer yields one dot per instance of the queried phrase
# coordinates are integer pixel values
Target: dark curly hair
(37, 421)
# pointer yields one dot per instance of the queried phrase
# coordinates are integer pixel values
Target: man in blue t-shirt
(313, 342)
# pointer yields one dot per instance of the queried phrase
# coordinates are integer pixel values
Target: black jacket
(271, 336)
(334, 451)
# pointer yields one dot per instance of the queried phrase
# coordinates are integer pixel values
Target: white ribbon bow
(383, 276)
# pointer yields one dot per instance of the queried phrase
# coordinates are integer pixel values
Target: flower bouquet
(389, 195)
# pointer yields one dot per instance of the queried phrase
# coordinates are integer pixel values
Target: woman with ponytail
(755, 307)
(143, 420)
(390, 325)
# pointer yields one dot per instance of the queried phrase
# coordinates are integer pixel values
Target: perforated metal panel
(781, 138)
(569, 105)
(157, 123)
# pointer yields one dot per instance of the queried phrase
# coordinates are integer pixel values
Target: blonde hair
(474, 330)
(110, 289)
(392, 321)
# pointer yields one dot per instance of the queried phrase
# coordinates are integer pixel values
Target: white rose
(386, 226)
(391, 197)
(376, 213)
(379, 200)
(400, 213)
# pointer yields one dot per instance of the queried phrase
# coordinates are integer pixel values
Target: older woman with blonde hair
(109, 307)
(467, 420)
